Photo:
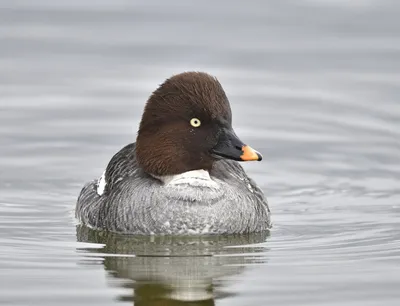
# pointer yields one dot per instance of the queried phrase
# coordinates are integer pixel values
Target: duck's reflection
(173, 270)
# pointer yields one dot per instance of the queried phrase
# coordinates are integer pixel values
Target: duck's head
(187, 125)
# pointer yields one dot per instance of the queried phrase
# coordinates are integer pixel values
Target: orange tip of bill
(250, 154)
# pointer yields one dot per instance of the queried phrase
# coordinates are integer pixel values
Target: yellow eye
(195, 122)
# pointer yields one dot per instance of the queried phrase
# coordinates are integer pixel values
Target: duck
(183, 175)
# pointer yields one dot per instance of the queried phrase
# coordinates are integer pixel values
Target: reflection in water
(173, 270)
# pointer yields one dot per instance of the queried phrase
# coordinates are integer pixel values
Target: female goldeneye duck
(182, 175)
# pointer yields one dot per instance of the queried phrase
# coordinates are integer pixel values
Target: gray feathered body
(137, 203)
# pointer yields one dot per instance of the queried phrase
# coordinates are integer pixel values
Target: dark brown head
(187, 125)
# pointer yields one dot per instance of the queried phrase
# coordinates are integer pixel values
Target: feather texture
(135, 202)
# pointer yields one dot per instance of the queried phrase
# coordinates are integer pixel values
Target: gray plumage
(135, 202)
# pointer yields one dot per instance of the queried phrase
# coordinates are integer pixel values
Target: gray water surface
(313, 85)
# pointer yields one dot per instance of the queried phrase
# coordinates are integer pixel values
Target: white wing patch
(101, 184)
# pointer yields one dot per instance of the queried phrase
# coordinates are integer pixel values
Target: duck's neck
(194, 178)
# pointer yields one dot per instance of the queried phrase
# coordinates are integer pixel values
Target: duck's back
(126, 199)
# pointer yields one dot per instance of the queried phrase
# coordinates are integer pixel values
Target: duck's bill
(231, 147)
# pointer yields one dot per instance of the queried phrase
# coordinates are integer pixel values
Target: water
(313, 85)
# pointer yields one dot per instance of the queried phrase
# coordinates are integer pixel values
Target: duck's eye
(195, 122)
